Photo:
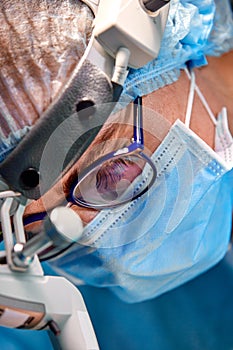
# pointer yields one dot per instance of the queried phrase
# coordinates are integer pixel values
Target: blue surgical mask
(223, 138)
(177, 231)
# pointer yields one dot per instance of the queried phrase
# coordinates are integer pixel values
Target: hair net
(41, 43)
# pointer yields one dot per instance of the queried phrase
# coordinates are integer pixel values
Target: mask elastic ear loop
(190, 98)
(202, 98)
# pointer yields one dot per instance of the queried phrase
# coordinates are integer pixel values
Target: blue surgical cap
(195, 28)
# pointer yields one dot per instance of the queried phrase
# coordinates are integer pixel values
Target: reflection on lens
(113, 182)
(115, 176)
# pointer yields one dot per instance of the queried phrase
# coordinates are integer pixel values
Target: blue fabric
(16, 339)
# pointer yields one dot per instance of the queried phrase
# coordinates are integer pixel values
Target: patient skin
(39, 50)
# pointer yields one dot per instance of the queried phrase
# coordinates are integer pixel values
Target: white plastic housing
(125, 23)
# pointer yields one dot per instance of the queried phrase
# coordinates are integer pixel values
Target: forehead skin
(41, 42)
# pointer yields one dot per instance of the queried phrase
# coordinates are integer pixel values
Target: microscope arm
(30, 300)
(46, 302)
